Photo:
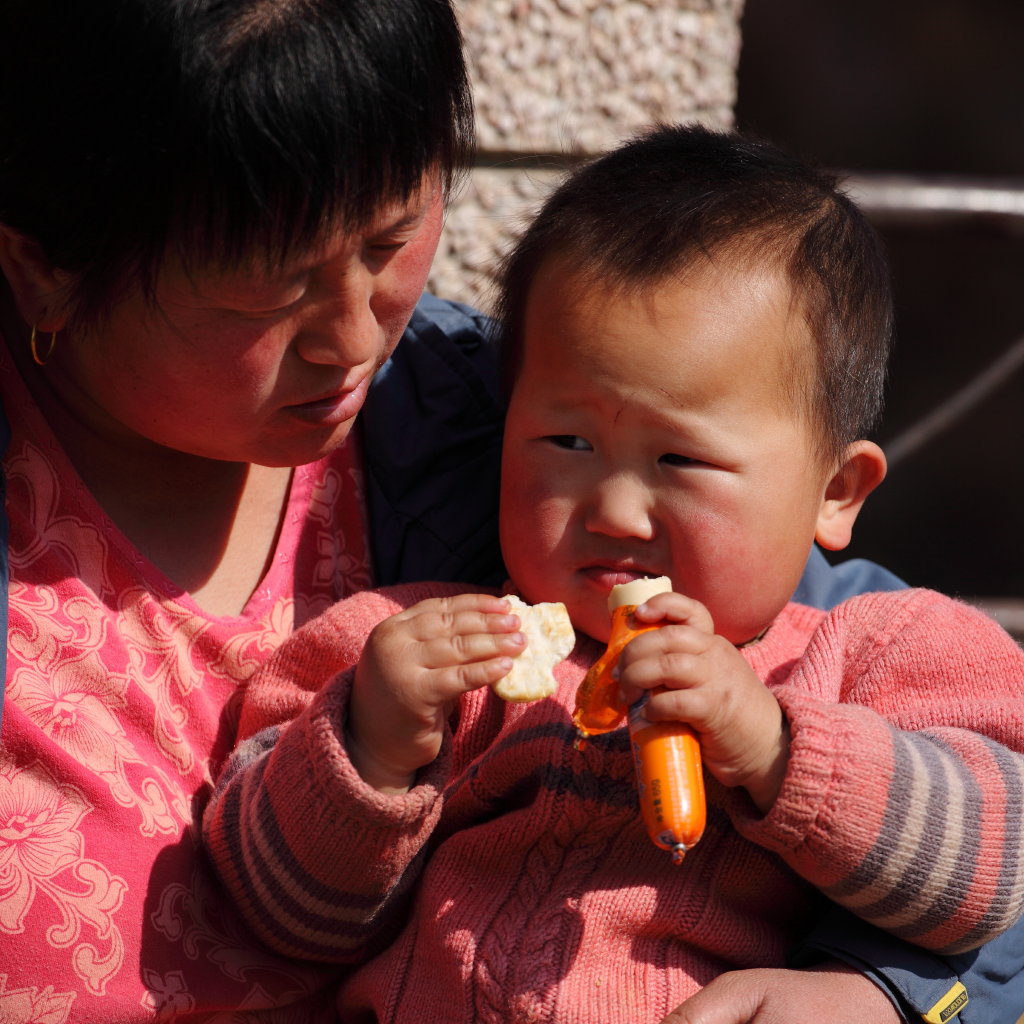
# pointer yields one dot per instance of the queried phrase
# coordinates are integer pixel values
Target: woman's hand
(832, 992)
(697, 677)
(414, 668)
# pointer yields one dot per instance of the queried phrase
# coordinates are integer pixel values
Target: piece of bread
(549, 639)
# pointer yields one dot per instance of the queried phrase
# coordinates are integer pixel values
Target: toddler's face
(660, 434)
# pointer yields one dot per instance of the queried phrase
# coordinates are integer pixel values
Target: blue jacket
(431, 429)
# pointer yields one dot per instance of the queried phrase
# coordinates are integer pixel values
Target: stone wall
(555, 81)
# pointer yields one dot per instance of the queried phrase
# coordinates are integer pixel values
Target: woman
(205, 266)
(216, 221)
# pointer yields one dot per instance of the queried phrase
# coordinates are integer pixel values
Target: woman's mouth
(332, 410)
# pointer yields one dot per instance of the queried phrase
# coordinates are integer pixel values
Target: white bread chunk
(637, 591)
(549, 639)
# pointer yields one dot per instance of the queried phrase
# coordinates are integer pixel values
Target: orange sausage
(670, 781)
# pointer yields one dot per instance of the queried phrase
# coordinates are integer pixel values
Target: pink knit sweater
(515, 882)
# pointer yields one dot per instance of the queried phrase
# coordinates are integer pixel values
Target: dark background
(932, 88)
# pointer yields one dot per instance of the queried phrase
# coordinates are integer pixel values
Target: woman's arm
(977, 987)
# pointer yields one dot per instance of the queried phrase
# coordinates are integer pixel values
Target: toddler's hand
(414, 668)
(694, 676)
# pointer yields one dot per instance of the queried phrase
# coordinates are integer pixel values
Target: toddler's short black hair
(676, 195)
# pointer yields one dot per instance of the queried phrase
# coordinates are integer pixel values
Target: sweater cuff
(835, 778)
(337, 781)
(328, 817)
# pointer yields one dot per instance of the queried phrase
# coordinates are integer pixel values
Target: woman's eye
(571, 442)
(263, 303)
(268, 313)
(384, 246)
(674, 459)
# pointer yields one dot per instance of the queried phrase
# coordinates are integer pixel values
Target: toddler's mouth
(609, 575)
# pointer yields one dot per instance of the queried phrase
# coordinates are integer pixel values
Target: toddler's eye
(570, 442)
(674, 459)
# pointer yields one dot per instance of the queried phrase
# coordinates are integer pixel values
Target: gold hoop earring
(42, 360)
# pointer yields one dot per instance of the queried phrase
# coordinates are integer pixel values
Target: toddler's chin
(594, 623)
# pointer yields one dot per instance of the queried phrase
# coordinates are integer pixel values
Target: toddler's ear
(862, 469)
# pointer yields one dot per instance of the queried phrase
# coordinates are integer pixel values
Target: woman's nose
(620, 507)
(342, 329)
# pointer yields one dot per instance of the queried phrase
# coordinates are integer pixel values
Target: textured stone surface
(552, 75)
(488, 214)
(557, 77)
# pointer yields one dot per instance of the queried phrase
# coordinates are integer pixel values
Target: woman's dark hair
(218, 129)
(676, 195)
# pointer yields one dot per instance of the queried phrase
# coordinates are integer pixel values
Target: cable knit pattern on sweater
(515, 882)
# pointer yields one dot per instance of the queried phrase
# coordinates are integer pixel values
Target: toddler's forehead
(562, 282)
(720, 332)
(709, 315)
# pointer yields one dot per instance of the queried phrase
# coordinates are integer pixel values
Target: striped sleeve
(903, 797)
(319, 863)
(955, 809)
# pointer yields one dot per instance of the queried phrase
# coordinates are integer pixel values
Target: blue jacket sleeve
(984, 986)
(980, 987)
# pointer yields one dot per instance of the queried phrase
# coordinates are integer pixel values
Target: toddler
(696, 330)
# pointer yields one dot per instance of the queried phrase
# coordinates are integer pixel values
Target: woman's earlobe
(862, 469)
(37, 286)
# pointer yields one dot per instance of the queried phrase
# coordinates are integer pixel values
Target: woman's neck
(209, 526)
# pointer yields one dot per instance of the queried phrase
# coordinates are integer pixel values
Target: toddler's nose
(620, 507)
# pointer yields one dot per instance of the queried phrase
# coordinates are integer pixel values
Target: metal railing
(912, 199)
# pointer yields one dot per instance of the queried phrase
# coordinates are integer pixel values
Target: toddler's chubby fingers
(469, 643)
(677, 608)
(472, 652)
(462, 615)
(675, 656)
(416, 653)
(690, 676)
(455, 680)
(459, 652)
(687, 676)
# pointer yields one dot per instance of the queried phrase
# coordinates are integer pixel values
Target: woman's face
(256, 366)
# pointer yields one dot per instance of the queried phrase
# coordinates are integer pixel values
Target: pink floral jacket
(120, 704)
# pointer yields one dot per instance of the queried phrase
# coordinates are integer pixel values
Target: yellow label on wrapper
(948, 1006)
